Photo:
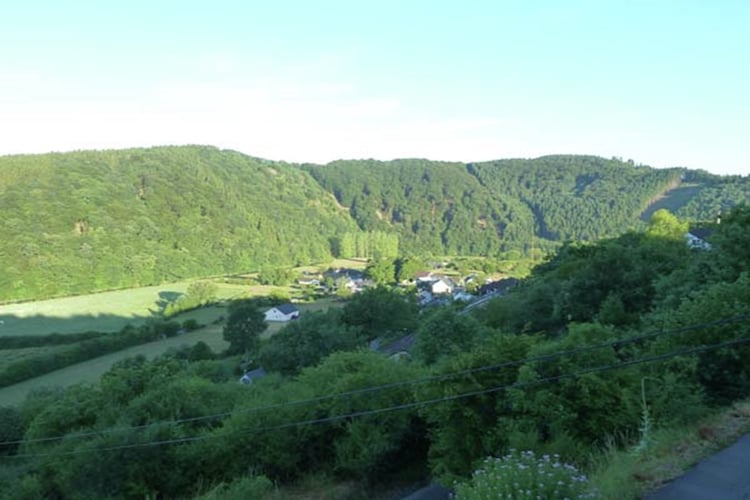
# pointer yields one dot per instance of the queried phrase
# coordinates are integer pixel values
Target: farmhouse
(282, 312)
(697, 238)
(441, 286)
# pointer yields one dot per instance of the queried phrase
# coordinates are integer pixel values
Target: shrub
(524, 475)
(190, 325)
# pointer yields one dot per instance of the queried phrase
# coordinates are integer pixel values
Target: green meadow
(89, 371)
(105, 311)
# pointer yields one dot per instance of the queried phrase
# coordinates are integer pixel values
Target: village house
(697, 238)
(441, 286)
(282, 312)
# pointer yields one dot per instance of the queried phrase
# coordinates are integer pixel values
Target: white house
(441, 286)
(282, 312)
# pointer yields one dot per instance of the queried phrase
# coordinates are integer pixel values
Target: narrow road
(724, 476)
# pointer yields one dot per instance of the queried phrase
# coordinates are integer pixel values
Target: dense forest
(602, 343)
(78, 222)
(94, 220)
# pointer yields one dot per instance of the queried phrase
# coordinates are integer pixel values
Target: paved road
(724, 476)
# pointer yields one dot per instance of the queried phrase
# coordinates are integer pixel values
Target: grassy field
(90, 371)
(110, 311)
(104, 312)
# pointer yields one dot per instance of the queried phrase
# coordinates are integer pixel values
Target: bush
(190, 325)
(523, 475)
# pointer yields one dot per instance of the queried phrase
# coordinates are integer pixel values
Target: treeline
(435, 207)
(601, 344)
(370, 244)
(79, 222)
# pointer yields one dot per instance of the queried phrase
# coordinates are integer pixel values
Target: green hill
(94, 220)
(84, 221)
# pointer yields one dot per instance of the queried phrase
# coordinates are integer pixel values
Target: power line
(421, 380)
(403, 406)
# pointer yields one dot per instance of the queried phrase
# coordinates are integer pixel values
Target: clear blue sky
(662, 82)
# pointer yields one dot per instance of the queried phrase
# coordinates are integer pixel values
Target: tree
(445, 334)
(305, 342)
(243, 328)
(11, 429)
(202, 292)
(381, 312)
(666, 225)
(407, 268)
(382, 271)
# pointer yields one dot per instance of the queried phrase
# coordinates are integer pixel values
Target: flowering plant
(520, 475)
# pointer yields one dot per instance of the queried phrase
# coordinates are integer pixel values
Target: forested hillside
(716, 195)
(435, 207)
(578, 197)
(86, 221)
(494, 208)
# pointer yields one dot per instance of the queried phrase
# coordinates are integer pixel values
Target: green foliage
(521, 475)
(732, 243)
(98, 220)
(715, 195)
(407, 268)
(365, 447)
(199, 293)
(368, 244)
(381, 312)
(382, 271)
(488, 389)
(199, 352)
(613, 281)
(578, 197)
(464, 430)
(723, 373)
(202, 292)
(84, 221)
(665, 225)
(308, 340)
(444, 334)
(11, 429)
(91, 347)
(244, 326)
(607, 399)
(275, 276)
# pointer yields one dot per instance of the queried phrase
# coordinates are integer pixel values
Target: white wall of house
(274, 314)
(441, 286)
